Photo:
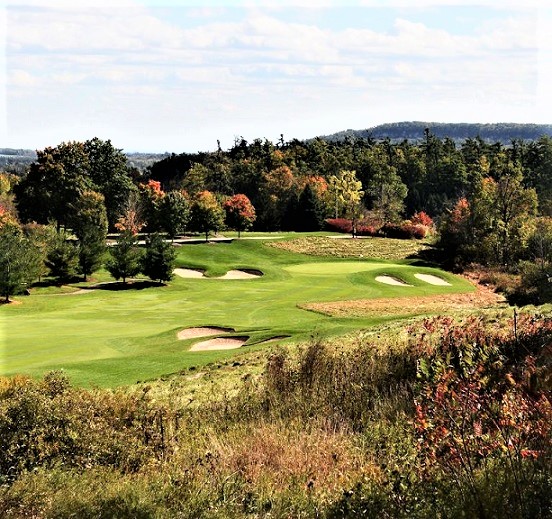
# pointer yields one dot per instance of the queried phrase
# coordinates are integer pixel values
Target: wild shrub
(404, 231)
(48, 423)
(484, 412)
(343, 225)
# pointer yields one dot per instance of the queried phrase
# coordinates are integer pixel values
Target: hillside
(414, 131)
(15, 160)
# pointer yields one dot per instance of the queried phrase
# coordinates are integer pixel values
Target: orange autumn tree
(132, 218)
(240, 213)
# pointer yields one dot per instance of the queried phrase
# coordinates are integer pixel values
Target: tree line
(492, 203)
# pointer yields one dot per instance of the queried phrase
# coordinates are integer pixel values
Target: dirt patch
(220, 343)
(432, 280)
(77, 292)
(481, 298)
(388, 280)
(189, 273)
(204, 331)
(10, 302)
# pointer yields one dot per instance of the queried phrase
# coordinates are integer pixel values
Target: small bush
(339, 225)
(422, 218)
(404, 231)
(367, 230)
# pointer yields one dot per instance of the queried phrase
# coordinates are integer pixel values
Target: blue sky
(178, 75)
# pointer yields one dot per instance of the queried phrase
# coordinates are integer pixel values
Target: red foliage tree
(240, 213)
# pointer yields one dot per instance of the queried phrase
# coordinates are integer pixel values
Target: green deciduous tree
(275, 190)
(388, 193)
(346, 193)
(109, 172)
(174, 213)
(54, 182)
(158, 260)
(503, 216)
(206, 213)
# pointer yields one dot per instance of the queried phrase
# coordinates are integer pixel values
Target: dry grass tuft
(281, 456)
(381, 248)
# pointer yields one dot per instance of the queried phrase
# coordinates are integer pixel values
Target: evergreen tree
(20, 260)
(125, 258)
(158, 260)
(90, 226)
(310, 212)
(63, 258)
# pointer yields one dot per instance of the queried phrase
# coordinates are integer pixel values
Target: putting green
(109, 337)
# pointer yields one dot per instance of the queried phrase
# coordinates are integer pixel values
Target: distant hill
(414, 132)
(15, 160)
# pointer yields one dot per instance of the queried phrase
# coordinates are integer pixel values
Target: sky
(179, 76)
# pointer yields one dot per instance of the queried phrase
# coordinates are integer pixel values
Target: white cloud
(88, 28)
(146, 77)
(424, 4)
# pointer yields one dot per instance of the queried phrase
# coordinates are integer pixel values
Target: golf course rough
(117, 337)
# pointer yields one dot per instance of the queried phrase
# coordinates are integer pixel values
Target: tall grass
(325, 431)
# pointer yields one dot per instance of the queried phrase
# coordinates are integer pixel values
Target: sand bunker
(220, 343)
(388, 280)
(231, 274)
(204, 331)
(189, 273)
(240, 274)
(432, 280)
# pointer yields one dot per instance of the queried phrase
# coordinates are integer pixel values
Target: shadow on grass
(430, 257)
(129, 285)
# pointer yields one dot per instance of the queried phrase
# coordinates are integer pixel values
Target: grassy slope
(109, 338)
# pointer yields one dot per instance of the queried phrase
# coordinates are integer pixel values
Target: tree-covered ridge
(397, 179)
(414, 131)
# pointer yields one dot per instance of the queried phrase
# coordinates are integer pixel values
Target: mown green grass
(111, 338)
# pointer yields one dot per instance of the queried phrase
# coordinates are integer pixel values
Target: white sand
(231, 274)
(205, 331)
(432, 280)
(388, 280)
(218, 344)
(239, 274)
(189, 273)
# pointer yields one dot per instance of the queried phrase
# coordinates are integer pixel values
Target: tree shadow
(116, 286)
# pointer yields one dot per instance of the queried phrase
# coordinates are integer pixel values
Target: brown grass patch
(382, 248)
(279, 457)
(481, 298)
